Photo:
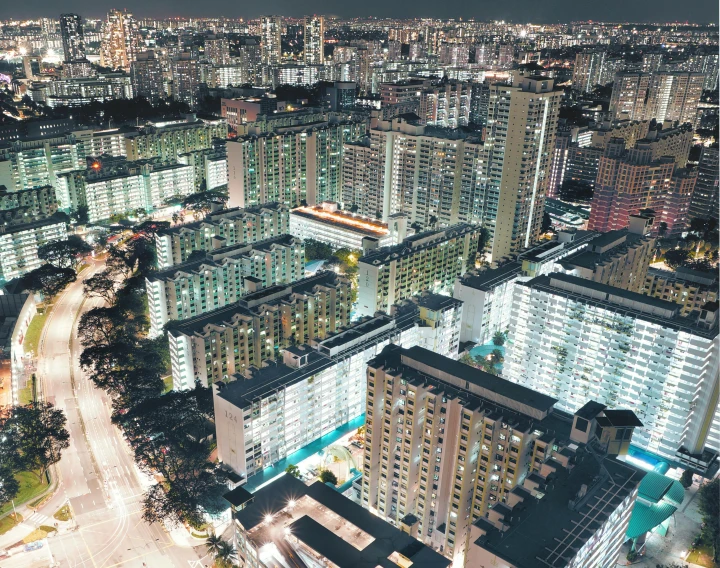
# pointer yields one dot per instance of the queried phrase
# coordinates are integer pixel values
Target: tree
(709, 506)
(41, 436)
(293, 470)
(662, 229)
(213, 543)
(497, 356)
(101, 285)
(64, 254)
(48, 279)
(81, 215)
(327, 476)
(686, 479)
(202, 203)
(499, 338)
(676, 257)
(316, 250)
(9, 459)
(546, 223)
(226, 555)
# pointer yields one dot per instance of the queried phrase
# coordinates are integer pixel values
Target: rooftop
(632, 304)
(546, 531)
(418, 242)
(347, 221)
(293, 515)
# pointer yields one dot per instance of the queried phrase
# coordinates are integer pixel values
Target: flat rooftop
(546, 532)
(317, 519)
(343, 220)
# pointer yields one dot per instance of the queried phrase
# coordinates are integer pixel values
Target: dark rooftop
(384, 539)
(619, 419)
(238, 496)
(485, 381)
(590, 410)
(547, 532)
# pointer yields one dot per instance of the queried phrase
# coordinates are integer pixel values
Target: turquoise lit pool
(485, 350)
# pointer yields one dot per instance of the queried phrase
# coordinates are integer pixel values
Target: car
(33, 546)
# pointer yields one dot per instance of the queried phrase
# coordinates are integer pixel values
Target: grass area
(39, 534)
(6, 523)
(27, 394)
(30, 487)
(168, 382)
(34, 331)
(63, 513)
(701, 555)
(82, 267)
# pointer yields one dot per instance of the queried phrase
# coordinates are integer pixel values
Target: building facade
(427, 261)
(222, 277)
(579, 340)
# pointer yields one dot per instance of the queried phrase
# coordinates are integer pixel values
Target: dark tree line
(163, 430)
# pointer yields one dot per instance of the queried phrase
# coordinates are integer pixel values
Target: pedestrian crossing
(37, 519)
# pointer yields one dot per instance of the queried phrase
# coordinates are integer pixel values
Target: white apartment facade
(222, 277)
(19, 245)
(281, 409)
(578, 340)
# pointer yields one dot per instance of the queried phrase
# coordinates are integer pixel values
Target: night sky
(541, 11)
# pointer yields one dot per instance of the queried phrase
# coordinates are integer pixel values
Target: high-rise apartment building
(113, 186)
(314, 38)
(517, 162)
(630, 181)
(447, 104)
(146, 74)
(619, 258)
(19, 245)
(270, 32)
(290, 165)
(268, 413)
(706, 195)
(450, 448)
(629, 94)
(579, 340)
(222, 277)
(479, 100)
(219, 229)
(73, 38)
(588, 70)
(674, 96)
(185, 73)
(432, 175)
(250, 56)
(689, 288)
(427, 261)
(217, 50)
(665, 96)
(214, 346)
(119, 43)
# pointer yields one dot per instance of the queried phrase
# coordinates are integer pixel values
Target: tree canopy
(64, 254)
(48, 279)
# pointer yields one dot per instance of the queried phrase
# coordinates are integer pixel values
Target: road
(97, 474)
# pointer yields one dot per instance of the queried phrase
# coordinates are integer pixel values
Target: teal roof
(658, 499)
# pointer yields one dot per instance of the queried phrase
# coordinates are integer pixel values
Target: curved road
(97, 474)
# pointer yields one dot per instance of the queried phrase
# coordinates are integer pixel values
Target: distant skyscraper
(314, 40)
(186, 79)
(705, 197)
(588, 70)
(627, 101)
(119, 43)
(674, 96)
(147, 76)
(517, 161)
(270, 30)
(73, 38)
(217, 50)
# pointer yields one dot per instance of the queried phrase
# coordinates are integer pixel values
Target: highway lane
(97, 474)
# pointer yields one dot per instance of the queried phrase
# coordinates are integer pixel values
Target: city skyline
(616, 11)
